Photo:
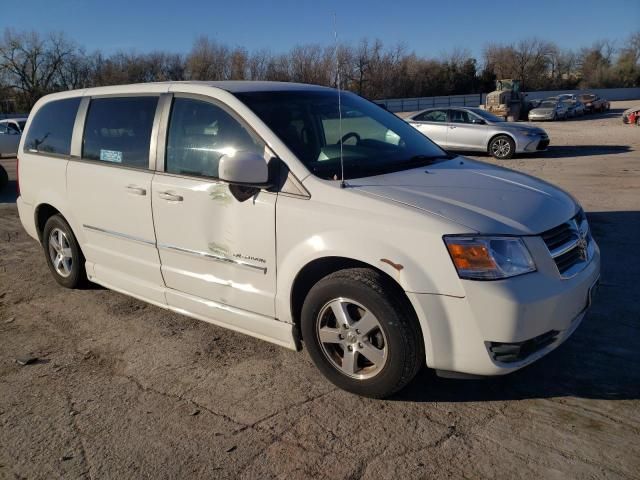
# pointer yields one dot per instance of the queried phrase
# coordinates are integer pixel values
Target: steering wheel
(347, 136)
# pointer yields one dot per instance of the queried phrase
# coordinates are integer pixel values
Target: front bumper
(532, 144)
(534, 118)
(460, 332)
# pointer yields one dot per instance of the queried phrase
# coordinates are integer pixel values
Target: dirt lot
(127, 390)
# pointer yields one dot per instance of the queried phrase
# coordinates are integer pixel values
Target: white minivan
(274, 210)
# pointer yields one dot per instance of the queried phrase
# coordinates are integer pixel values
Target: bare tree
(208, 60)
(31, 64)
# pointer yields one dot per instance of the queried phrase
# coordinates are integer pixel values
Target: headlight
(527, 133)
(489, 258)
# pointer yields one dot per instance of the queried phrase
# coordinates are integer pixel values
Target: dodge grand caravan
(269, 209)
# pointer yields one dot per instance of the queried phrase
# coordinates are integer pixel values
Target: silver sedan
(10, 133)
(474, 129)
(549, 109)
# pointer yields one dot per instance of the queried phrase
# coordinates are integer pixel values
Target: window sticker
(111, 156)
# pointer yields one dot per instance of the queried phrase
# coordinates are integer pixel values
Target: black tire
(4, 178)
(502, 147)
(398, 327)
(77, 276)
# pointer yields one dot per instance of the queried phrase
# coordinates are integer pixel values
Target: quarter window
(200, 133)
(52, 127)
(118, 130)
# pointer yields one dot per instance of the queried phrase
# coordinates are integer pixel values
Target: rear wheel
(63, 254)
(502, 147)
(361, 334)
(4, 178)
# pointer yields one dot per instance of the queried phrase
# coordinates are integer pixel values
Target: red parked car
(631, 116)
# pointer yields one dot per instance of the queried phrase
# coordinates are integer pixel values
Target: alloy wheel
(351, 338)
(60, 252)
(501, 148)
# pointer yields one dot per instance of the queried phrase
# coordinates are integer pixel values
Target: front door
(110, 191)
(464, 133)
(433, 123)
(215, 251)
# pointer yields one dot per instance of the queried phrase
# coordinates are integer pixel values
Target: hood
(520, 126)
(480, 196)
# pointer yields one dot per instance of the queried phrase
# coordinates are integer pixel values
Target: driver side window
(460, 116)
(200, 133)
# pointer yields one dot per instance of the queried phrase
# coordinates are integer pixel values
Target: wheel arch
(318, 268)
(500, 134)
(42, 213)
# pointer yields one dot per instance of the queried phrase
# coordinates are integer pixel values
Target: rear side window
(200, 133)
(432, 116)
(118, 130)
(52, 127)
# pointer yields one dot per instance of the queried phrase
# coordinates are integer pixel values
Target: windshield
(486, 115)
(548, 105)
(374, 141)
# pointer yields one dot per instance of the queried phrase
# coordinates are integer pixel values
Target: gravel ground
(122, 389)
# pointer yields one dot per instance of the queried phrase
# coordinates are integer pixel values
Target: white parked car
(224, 201)
(10, 133)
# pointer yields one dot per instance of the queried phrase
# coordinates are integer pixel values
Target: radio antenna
(335, 36)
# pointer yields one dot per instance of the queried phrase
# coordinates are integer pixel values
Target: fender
(404, 248)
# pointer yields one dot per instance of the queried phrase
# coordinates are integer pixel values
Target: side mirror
(478, 121)
(246, 173)
(246, 169)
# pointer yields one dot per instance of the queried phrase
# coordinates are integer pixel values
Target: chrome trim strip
(562, 249)
(218, 258)
(119, 235)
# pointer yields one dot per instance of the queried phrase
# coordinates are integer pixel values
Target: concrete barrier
(473, 100)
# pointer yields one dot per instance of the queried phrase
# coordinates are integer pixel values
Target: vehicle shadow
(602, 358)
(9, 193)
(561, 151)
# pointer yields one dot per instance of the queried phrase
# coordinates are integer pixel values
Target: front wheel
(502, 147)
(361, 333)
(63, 254)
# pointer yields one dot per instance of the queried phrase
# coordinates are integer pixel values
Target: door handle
(136, 190)
(452, 126)
(171, 197)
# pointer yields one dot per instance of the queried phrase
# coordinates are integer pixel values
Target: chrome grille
(570, 245)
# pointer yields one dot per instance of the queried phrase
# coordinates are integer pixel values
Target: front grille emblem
(583, 248)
